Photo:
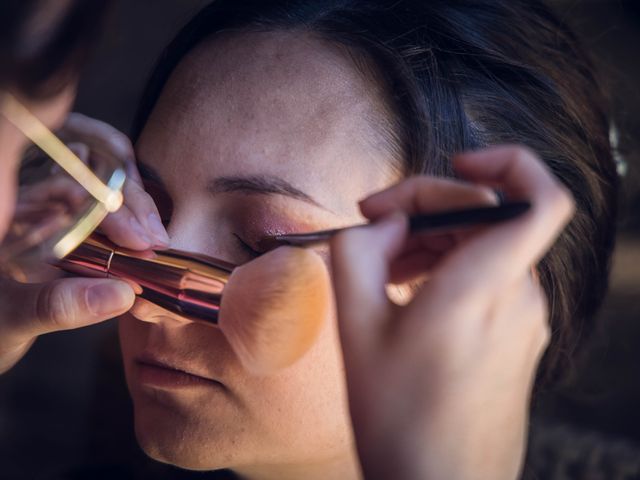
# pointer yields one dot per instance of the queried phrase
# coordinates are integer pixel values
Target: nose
(193, 229)
(146, 311)
(188, 233)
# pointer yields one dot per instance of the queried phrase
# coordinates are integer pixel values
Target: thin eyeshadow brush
(417, 223)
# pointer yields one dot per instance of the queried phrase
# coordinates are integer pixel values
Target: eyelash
(247, 248)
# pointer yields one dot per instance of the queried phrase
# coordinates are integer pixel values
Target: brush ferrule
(189, 285)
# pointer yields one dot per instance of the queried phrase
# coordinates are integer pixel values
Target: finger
(422, 251)
(521, 175)
(412, 265)
(133, 173)
(64, 304)
(498, 255)
(102, 138)
(124, 229)
(137, 224)
(57, 188)
(423, 194)
(98, 136)
(81, 150)
(146, 212)
(360, 259)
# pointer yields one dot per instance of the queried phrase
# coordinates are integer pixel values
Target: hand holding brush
(440, 387)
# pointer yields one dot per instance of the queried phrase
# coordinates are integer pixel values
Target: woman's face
(253, 134)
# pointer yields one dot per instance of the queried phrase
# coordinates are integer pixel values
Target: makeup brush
(446, 220)
(274, 307)
(270, 309)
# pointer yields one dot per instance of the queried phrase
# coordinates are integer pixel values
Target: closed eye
(253, 253)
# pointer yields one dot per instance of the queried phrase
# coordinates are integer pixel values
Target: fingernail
(109, 298)
(140, 231)
(158, 230)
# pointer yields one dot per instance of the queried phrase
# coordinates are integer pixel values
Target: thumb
(66, 304)
(360, 259)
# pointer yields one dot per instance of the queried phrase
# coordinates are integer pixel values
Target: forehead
(283, 104)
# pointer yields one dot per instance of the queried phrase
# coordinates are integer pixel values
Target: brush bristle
(273, 308)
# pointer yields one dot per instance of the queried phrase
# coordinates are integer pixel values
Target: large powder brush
(270, 309)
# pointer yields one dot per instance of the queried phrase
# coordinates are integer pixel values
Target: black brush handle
(417, 223)
(467, 217)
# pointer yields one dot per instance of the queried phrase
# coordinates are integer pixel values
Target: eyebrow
(249, 184)
(261, 185)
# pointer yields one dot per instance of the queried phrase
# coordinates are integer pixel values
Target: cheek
(320, 372)
(133, 334)
(307, 401)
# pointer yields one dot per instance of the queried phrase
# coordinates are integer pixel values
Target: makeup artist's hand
(440, 388)
(27, 311)
(137, 225)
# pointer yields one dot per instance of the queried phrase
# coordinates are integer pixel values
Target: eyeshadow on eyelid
(267, 223)
(256, 220)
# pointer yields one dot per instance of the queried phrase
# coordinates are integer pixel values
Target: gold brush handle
(187, 284)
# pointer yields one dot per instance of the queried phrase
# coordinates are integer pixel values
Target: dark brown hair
(40, 60)
(461, 75)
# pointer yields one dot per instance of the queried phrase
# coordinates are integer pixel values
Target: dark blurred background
(64, 411)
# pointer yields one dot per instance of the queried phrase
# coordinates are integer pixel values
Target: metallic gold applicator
(187, 284)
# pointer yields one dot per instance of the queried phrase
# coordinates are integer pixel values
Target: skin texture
(292, 111)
